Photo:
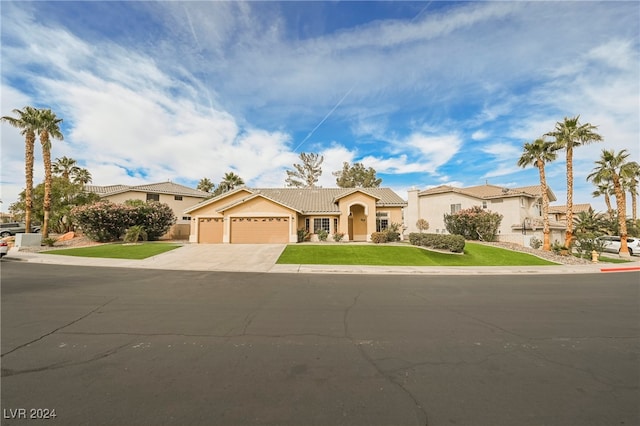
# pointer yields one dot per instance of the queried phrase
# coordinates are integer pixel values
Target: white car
(612, 244)
(4, 248)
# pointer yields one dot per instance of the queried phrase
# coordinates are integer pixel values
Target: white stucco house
(521, 209)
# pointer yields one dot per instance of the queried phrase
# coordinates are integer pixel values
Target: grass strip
(118, 250)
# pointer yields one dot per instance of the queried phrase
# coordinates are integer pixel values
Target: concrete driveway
(189, 257)
(218, 257)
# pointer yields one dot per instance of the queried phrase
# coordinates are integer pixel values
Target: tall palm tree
(81, 176)
(229, 182)
(205, 185)
(568, 135)
(615, 167)
(631, 185)
(49, 127)
(605, 189)
(26, 121)
(538, 153)
(65, 167)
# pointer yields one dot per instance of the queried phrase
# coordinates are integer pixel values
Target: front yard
(118, 250)
(399, 255)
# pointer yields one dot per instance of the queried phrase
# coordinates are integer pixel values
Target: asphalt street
(119, 346)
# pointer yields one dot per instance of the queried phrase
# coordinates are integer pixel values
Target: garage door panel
(260, 230)
(210, 230)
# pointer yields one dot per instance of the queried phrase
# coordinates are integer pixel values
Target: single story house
(274, 215)
(521, 209)
(178, 197)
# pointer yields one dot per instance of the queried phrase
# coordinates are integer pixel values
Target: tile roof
(312, 200)
(169, 188)
(489, 191)
(577, 208)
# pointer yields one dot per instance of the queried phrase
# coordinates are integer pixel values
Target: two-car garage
(245, 230)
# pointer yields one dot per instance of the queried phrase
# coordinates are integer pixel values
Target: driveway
(218, 257)
(189, 257)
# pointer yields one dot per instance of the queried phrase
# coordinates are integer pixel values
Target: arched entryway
(357, 223)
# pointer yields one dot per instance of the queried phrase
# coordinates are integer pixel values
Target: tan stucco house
(521, 209)
(178, 197)
(274, 215)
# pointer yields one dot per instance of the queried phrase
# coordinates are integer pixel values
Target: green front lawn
(352, 254)
(118, 251)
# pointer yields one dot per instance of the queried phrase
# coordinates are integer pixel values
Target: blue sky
(427, 93)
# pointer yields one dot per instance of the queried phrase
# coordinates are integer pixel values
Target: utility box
(28, 240)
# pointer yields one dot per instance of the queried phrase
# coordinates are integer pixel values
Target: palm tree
(49, 127)
(614, 167)
(229, 182)
(205, 185)
(569, 134)
(26, 122)
(605, 189)
(631, 185)
(538, 153)
(82, 176)
(65, 167)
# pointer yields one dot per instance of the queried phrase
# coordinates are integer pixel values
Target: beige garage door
(259, 230)
(210, 230)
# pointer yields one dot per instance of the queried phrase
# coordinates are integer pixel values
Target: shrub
(134, 234)
(155, 218)
(379, 237)
(391, 233)
(338, 236)
(474, 224)
(49, 242)
(105, 221)
(535, 243)
(322, 235)
(453, 243)
(102, 221)
(303, 235)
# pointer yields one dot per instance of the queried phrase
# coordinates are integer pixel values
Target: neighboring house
(521, 209)
(274, 215)
(178, 197)
(559, 213)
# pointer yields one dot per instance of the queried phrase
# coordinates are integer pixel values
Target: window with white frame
(382, 221)
(306, 225)
(484, 204)
(455, 208)
(320, 223)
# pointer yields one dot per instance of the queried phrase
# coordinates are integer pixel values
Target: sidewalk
(186, 259)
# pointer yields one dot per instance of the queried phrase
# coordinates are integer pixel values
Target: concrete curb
(166, 262)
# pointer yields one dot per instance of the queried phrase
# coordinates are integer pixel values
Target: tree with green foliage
(305, 175)
(474, 223)
(615, 167)
(26, 121)
(65, 167)
(65, 196)
(49, 127)
(205, 185)
(229, 182)
(605, 189)
(356, 176)
(570, 134)
(538, 153)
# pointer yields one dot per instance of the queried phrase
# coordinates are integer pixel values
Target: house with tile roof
(274, 215)
(521, 209)
(178, 197)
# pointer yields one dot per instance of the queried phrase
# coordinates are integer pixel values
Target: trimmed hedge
(453, 243)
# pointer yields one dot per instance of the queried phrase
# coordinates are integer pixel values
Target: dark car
(13, 228)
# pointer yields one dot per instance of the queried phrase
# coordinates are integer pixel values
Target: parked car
(4, 248)
(13, 228)
(612, 244)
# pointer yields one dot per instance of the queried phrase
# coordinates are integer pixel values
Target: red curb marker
(621, 269)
